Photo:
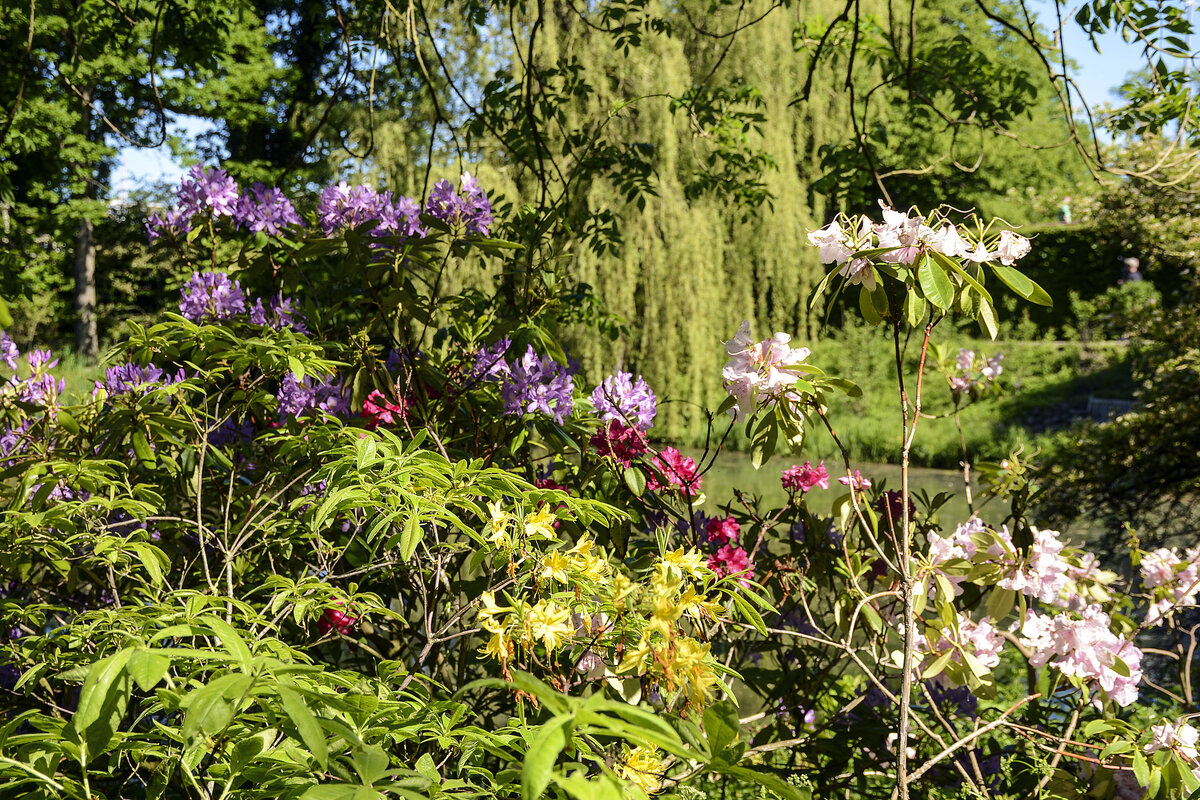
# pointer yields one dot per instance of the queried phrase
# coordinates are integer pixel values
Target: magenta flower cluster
(804, 478)
(631, 402)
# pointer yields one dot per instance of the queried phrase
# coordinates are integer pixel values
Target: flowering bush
(328, 533)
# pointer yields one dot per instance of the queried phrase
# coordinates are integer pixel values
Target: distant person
(1064, 211)
(1130, 273)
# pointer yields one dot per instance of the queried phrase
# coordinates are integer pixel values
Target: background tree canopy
(669, 159)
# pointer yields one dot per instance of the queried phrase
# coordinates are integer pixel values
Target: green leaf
(142, 449)
(1141, 770)
(306, 724)
(769, 781)
(721, 726)
(867, 307)
(937, 666)
(762, 443)
(148, 667)
(102, 702)
(748, 613)
(1022, 284)
(935, 283)
(296, 367)
(987, 318)
(914, 309)
(411, 537)
(1000, 603)
(6, 319)
(635, 479)
(543, 754)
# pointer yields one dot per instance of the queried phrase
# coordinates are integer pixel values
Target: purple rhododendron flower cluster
(469, 207)
(8, 350)
(208, 190)
(344, 206)
(40, 387)
(266, 210)
(212, 295)
(298, 398)
(490, 363)
(211, 192)
(126, 378)
(529, 384)
(280, 312)
(619, 397)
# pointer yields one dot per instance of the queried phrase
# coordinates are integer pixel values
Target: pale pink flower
(833, 243)
(980, 254)
(856, 482)
(1012, 247)
(761, 371)
(949, 242)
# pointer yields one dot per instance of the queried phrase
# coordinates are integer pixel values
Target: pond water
(733, 470)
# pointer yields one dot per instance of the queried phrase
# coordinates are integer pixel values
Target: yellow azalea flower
(666, 611)
(489, 615)
(622, 587)
(583, 547)
(555, 566)
(665, 580)
(636, 658)
(498, 524)
(688, 563)
(498, 647)
(702, 686)
(548, 621)
(540, 523)
(590, 567)
(697, 605)
(643, 768)
(690, 654)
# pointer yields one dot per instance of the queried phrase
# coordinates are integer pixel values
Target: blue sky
(1098, 75)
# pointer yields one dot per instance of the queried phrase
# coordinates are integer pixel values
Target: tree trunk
(87, 343)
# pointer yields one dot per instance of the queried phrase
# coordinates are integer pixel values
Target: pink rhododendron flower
(1085, 647)
(731, 560)
(335, 619)
(804, 478)
(619, 442)
(378, 409)
(675, 469)
(721, 530)
(835, 245)
(1174, 579)
(856, 482)
(980, 639)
